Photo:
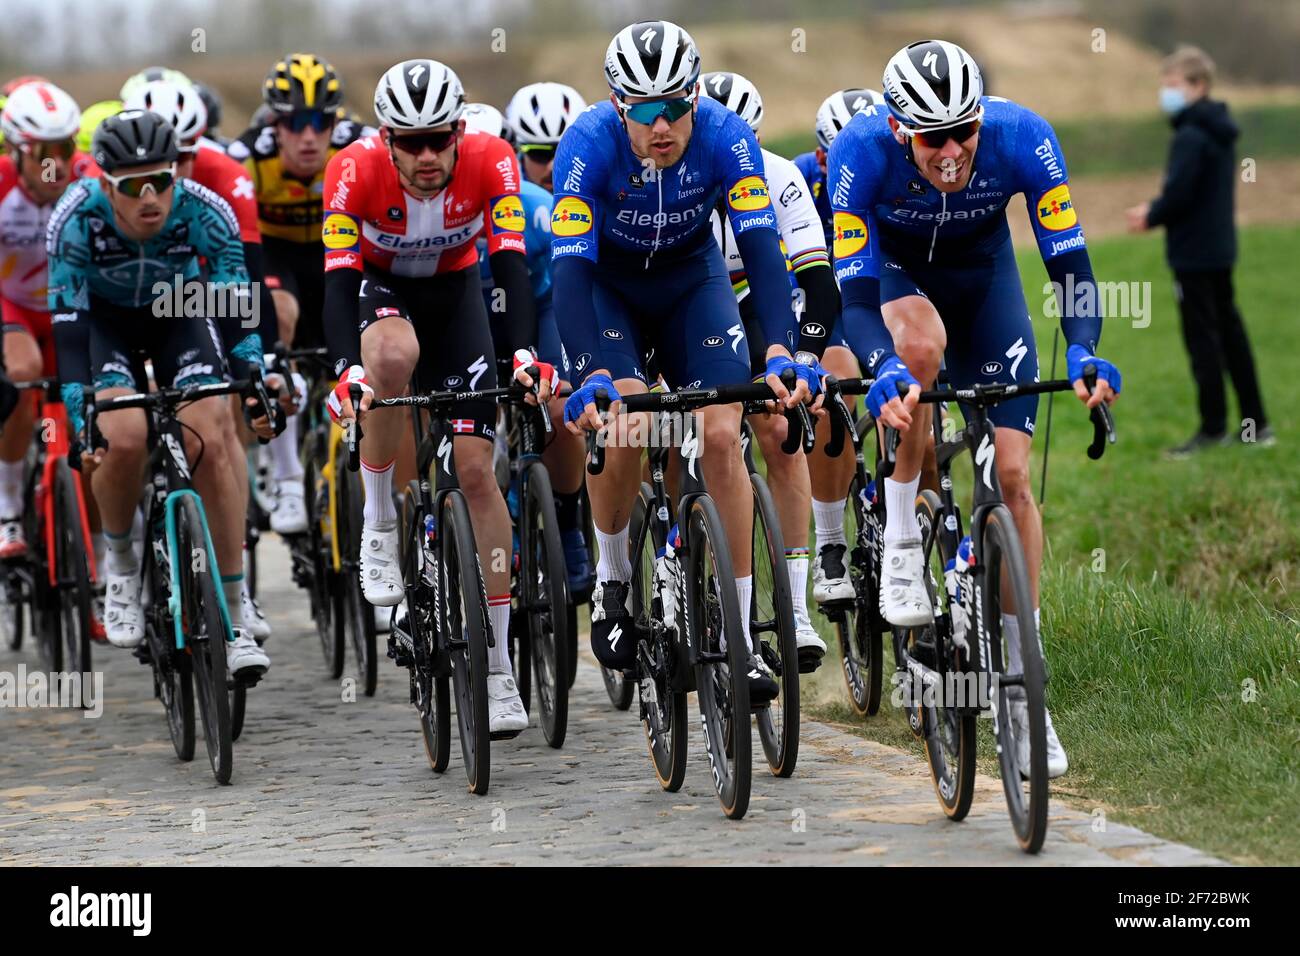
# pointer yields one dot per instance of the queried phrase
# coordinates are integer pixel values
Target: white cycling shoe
(290, 514)
(806, 639)
(123, 610)
(904, 601)
(831, 576)
(506, 712)
(254, 620)
(1057, 763)
(243, 654)
(381, 577)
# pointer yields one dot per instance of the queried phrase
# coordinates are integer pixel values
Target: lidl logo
(850, 234)
(1056, 209)
(749, 194)
(572, 217)
(339, 232)
(508, 214)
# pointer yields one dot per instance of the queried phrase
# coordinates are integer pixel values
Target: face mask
(1172, 99)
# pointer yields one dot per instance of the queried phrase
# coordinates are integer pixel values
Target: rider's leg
(564, 458)
(23, 362)
(830, 479)
(728, 482)
(787, 476)
(116, 485)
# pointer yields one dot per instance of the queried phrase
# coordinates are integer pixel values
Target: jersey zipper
(659, 218)
(943, 198)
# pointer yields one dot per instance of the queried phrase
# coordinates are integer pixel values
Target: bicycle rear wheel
(1004, 562)
(663, 708)
(73, 576)
(948, 727)
(713, 618)
(543, 596)
(205, 637)
(771, 626)
(465, 624)
(358, 613)
(11, 608)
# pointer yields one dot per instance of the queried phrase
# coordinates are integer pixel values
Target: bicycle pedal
(809, 660)
(759, 706)
(504, 734)
(246, 678)
(837, 606)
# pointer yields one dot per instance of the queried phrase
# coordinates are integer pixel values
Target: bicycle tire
(174, 686)
(323, 596)
(999, 539)
(429, 684)
(714, 616)
(73, 575)
(12, 618)
(664, 724)
(205, 637)
(948, 732)
(359, 614)
(859, 630)
(465, 621)
(46, 611)
(771, 621)
(238, 709)
(544, 592)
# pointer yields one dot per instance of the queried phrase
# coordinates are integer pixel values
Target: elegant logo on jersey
(508, 215)
(339, 232)
(850, 234)
(1056, 210)
(572, 217)
(748, 194)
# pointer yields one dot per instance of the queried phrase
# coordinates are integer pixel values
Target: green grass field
(1175, 682)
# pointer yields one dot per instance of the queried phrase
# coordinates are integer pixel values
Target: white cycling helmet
(932, 84)
(178, 103)
(540, 113)
(151, 75)
(39, 111)
(840, 107)
(484, 118)
(418, 94)
(651, 58)
(735, 93)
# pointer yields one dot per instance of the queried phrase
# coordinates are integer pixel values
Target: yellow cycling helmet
(91, 117)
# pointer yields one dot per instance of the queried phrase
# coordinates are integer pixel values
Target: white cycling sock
(378, 482)
(900, 511)
(614, 563)
(285, 464)
(829, 519)
(744, 595)
(1011, 639)
(232, 586)
(121, 557)
(99, 544)
(499, 613)
(796, 565)
(11, 488)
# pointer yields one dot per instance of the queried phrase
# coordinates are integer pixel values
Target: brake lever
(352, 435)
(535, 374)
(799, 431)
(1103, 422)
(595, 447)
(840, 418)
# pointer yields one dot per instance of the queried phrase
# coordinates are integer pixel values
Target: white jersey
(797, 220)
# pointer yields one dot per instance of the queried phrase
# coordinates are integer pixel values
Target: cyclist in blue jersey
(117, 247)
(832, 116)
(944, 287)
(635, 267)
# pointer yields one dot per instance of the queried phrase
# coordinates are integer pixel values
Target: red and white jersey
(371, 219)
(22, 235)
(228, 179)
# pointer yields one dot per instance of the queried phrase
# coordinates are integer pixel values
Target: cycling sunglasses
(299, 120)
(937, 138)
(56, 149)
(135, 184)
(647, 113)
(538, 152)
(415, 143)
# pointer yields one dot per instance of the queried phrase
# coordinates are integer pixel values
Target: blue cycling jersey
(807, 164)
(877, 193)
(618, 213)
(537, 240)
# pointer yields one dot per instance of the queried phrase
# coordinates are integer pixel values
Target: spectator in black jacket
(1196, 209)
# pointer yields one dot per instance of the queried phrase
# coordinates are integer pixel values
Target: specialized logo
(477, 369)
(508, 215)
(1056, 209)
(614, 635)
(572, 217)
(339, 232)
(1016, 353)
(850, 235)
(749, 194)
(737, 333)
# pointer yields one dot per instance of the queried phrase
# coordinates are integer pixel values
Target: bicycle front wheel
(771, 626)
(358, 613)
(859, 628)
(465, 625)
(1023, 781)
(73, 575)
(543, 598)
(324, 590)
(205, 636)
(428, 667)
(713, 620)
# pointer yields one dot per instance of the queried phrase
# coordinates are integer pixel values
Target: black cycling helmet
(133, 138)
(210, 100)
(301, 81)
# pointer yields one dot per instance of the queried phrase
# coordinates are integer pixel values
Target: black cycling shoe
(763, 688)
(613, 638)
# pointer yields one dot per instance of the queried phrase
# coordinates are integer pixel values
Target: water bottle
(965, 554)
(430, 528)
(666, 576)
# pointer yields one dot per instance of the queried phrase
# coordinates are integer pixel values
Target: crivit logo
(1047, 155)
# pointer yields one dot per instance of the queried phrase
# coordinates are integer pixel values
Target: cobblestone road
(321, 780)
